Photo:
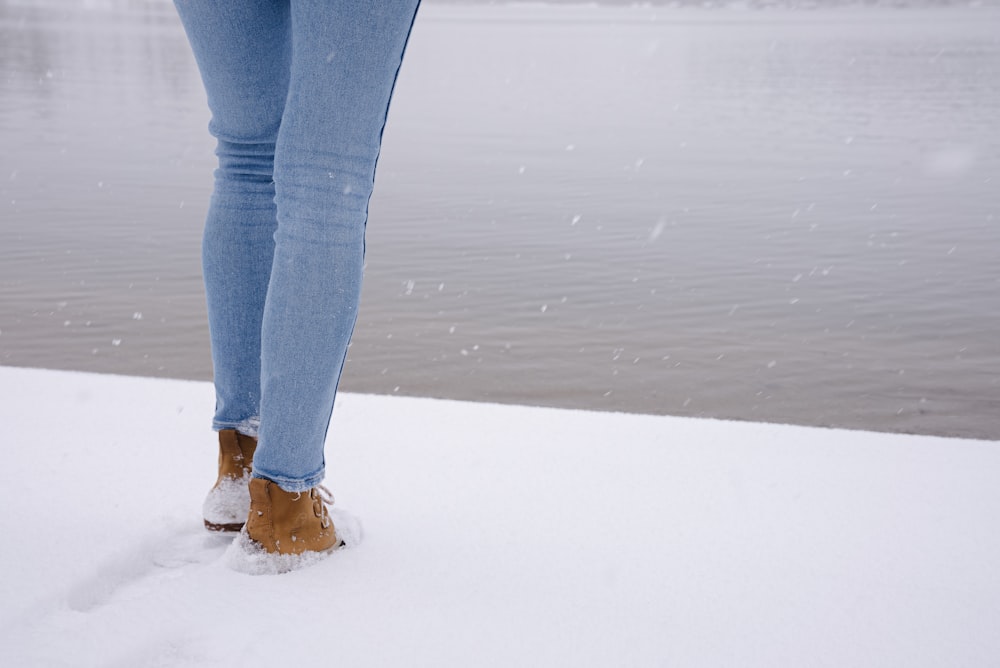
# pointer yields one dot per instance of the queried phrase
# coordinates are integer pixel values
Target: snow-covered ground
(496, 536)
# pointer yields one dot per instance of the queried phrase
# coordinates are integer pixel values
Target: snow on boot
(286, 530)
(228, 502)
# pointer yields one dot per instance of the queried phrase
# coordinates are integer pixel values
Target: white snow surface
(496, 536)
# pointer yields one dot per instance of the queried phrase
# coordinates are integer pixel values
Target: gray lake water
(775, 215)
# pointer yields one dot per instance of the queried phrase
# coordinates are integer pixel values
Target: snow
(496, 536)
(246, 556)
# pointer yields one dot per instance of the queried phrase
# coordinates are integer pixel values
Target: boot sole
(224, 528)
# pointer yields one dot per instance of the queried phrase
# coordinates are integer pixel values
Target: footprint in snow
(160, 555)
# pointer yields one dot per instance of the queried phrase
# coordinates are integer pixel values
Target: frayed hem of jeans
(290, 485)
(248, 427)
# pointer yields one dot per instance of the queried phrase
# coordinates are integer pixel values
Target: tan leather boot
(290, 522)
(228, 502)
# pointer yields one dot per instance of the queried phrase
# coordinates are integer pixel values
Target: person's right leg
(345, 58)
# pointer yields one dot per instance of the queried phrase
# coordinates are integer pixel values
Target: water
(777, 215)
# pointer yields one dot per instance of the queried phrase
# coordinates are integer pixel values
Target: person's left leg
(243, 51)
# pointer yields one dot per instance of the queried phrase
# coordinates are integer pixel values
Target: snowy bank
(497, 536)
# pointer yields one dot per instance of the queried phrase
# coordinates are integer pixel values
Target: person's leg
(243, 51)
(345, 58)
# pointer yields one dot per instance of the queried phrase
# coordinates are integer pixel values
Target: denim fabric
(299, 91)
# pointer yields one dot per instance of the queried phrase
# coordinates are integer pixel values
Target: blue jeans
(299, 91)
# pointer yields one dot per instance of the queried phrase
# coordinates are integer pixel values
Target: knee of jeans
(333, 227)
(324, 202)
(245, 160)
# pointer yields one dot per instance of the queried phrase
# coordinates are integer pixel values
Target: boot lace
(322, 497)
